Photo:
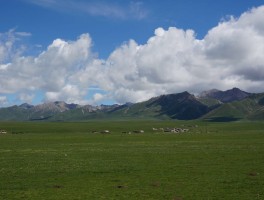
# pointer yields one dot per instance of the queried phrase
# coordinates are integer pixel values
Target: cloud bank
(172, 60)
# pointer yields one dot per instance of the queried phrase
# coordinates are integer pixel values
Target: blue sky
(117, 40)
(47, 22)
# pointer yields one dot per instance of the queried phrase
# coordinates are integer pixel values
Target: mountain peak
(233, 94)
(26, 106)
(183, 106)
(208, 93)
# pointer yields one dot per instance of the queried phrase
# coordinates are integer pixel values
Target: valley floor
(74, 161)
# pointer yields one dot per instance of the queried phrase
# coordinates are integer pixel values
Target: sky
(116, 51)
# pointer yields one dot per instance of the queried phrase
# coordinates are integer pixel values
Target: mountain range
(212, 105)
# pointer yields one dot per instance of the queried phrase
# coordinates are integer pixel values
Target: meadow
(70, 161)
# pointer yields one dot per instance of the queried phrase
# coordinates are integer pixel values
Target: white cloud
(137, 10)
(26, 97)
(172, 60)
(237, 46)
(7, 41)
(97, 97)
(9, 46)
(3, 101)
(23, 34)
(68, 93)
(50, 71)
(133, 10)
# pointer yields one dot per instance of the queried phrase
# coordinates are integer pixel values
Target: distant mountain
(209, 93)
(86, 112)
(212, 105)
(26, 106)
(29, 112)
(47, 110)
(14, 113)
(250, 108)
(227, 96)
(182, 106)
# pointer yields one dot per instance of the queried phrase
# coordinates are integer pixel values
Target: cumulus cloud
(50, 71)
(171, 61)
(237, 45)
(69, 93)
(174, 60)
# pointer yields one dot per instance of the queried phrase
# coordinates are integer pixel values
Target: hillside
(213, 105)
(251, 108)
(26, 112)
(227, 96)
(182, 106)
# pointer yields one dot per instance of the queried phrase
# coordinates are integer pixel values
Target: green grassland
(67, 161)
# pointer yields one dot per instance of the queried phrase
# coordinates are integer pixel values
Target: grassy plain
(67, 161)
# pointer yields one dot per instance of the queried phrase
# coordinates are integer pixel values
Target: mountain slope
(227, 96)
(251, 108)
(47, 110)
(26, 112)
(86, 112)
(14, 113)
(182, 106)
(212, 105)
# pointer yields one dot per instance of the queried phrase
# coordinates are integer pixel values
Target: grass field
(67, 161)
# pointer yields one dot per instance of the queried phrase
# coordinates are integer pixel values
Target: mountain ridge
(227, 96)
(233, 104)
